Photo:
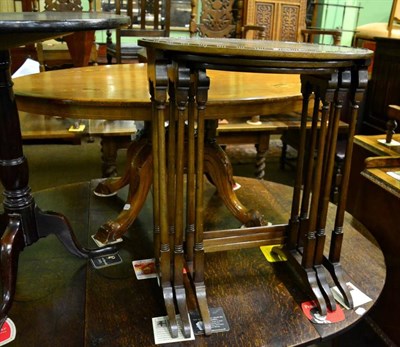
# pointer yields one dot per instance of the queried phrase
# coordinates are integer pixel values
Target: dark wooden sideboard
(383, 87)
(374, 198)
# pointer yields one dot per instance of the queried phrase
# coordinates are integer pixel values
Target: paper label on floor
(359, 298)
(162, 334)
(101, 244)
(145, 268)
(7, 332)
(311, 311)
(106, 261)
(77, 129)
(219, 323)
(391, 143)
(271, 256)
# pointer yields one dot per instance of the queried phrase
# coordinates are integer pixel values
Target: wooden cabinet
(374, 199)
(383, 87)
(283, 19)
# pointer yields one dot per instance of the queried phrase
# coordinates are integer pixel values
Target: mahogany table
(23, 222)
(63, 301)
(178, 71)
(121, 92)
(101, 92)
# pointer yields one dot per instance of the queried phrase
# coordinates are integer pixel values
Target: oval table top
(19, 28)
(121, 92)
(251, 50)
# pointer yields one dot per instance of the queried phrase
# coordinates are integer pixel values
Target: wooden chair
(368, 32)
(148, 18)
(20, 54)
(280, 20)
(77, 49)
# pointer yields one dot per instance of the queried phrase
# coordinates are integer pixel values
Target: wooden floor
(64, 301)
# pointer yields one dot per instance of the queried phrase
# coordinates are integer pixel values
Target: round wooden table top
(19, 28)
(279, 51)
(64, 296)
(122, 92)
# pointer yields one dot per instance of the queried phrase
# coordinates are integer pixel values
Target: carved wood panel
(216, 19)
(63, 5)
(283, 19)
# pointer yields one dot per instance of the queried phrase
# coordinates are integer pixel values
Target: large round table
(64, 301)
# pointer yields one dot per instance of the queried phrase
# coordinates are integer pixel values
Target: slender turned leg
(26, 223)
(310, 237)
(301, 239)
(159, 80)
(190, 183)
(329, 162)
(262, 148)
(202, 83)
(359, 84)
(176, 169)
(294, 221)
(320, 231)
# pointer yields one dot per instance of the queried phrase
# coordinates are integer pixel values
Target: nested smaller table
(178, 72)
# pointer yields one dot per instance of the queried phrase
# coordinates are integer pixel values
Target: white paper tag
(162, 334)
(145, 268)
(391, 143)
(219, 323)
(359, 298)
(394, 174)
(101, 244)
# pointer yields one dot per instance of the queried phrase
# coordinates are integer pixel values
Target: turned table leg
(23, 223)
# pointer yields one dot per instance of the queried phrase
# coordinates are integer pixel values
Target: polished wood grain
(103, 93)
(64, 301)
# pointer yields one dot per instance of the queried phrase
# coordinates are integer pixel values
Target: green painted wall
(374, 11)
(344, 14)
